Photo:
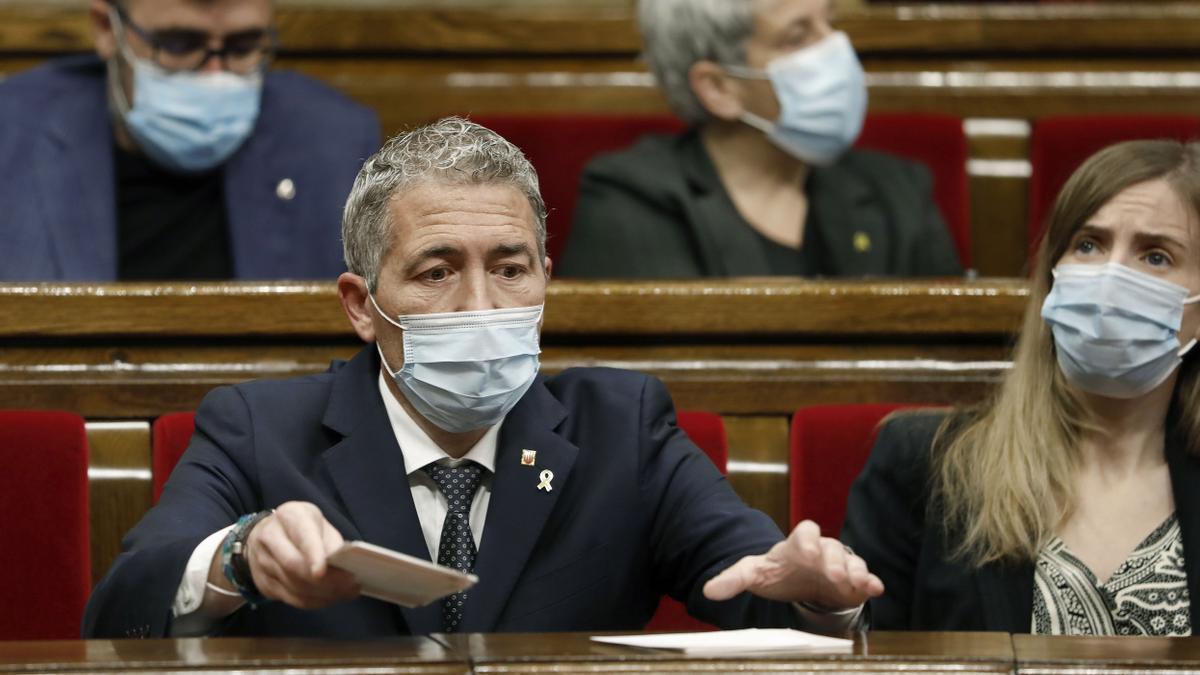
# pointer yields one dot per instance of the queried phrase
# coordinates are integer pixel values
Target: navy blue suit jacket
(636, 510)
(59, 222)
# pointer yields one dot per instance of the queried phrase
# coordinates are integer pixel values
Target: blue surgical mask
(1116, 329)
(186, 122)
(465, 370)
(822, 97)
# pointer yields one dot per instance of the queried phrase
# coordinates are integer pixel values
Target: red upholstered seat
(830, 445)
(45, 560)
(171, 434)
(559, 146)
(706, 430)
(938, 142)
(1058, 145)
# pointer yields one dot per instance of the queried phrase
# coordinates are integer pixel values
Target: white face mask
(466, 370)
(1116, 329)
(822, 97)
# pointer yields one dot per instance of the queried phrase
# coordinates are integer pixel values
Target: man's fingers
(275, 583)
(304, 525)
(861, 578)
(330, 537)
(736, 578)
(288, 553)
(833, 556)
(805, 540)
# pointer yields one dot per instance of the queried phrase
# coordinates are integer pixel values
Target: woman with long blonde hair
(1069, 502)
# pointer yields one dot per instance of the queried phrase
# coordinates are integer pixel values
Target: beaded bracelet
(233, 557)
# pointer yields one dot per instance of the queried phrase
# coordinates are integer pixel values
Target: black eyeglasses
(178, 49)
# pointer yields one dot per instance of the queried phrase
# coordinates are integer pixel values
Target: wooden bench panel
(608, 26)
(119, 484)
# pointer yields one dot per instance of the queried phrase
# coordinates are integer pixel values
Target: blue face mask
(186, 122)
(822, 98)
(1116, 329)
(465, 370)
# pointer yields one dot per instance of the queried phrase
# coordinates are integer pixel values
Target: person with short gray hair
(764, 181)
(676, 34)
(575, 500)
(453, 150)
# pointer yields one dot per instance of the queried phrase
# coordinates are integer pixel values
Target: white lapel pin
(286, 190)
(528, 457)
(545, 476)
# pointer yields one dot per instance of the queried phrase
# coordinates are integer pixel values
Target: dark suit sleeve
(933, 252)
(700, 526)
(212, 485)
(885, 515)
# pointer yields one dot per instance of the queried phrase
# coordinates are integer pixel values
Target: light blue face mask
(1116, 329)
(185, 122)
(465, 370)
(822, 97)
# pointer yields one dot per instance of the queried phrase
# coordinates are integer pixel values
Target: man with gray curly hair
(764, 181)
(575, 499)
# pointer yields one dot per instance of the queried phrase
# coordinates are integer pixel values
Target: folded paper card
(395, 577)
(720, 643)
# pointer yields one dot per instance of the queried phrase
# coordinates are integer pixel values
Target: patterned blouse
(1147, 594)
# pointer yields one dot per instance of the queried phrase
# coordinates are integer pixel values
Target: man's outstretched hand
(805, 567)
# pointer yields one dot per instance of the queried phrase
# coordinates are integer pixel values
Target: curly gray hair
(678, 33)
(452, 150)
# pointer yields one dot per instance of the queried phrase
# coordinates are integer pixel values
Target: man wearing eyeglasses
(178, 154)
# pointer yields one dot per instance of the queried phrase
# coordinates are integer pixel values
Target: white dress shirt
(418, 450)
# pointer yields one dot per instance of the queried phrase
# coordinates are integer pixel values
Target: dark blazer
(896, 527)
(659, 209)
(59, 219)
(636, 510)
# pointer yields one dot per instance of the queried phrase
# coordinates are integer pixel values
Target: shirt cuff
(837, 622)
(189, 621)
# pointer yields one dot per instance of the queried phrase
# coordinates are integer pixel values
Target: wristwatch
(233, 557)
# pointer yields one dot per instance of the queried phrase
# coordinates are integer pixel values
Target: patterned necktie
(457, 547)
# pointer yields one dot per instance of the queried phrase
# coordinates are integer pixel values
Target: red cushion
(1058, 145)
(830, 445)
(171, 433)
(938, 142)
(559, 146)
(45, 560)
(706, 430)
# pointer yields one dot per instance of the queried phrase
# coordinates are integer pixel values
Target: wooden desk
(417, 655)
(569, 653)
(495, 653)
(1042, 655)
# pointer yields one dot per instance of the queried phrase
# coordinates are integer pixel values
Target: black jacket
(895, 526)
(659, 209)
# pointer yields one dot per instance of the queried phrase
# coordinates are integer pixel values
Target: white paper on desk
(395, 577)
(733, 641)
